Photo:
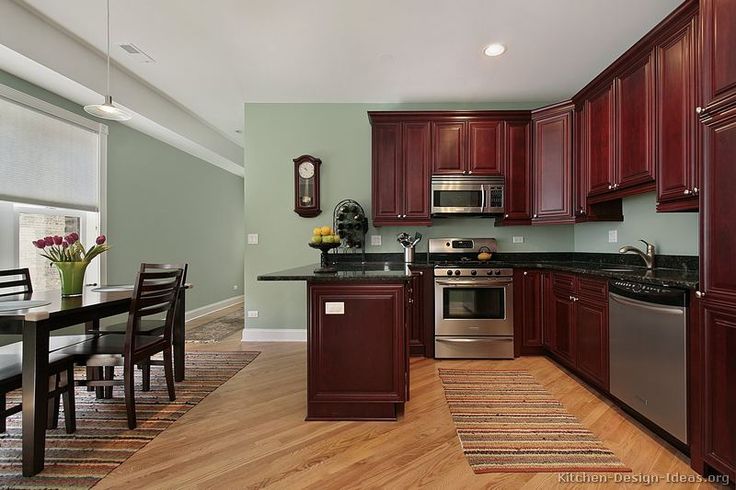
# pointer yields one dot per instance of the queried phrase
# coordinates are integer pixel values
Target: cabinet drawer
(563, 281)
(593, 288)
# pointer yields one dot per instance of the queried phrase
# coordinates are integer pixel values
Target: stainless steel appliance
(467, 195)
(473, 302)
(647, 348)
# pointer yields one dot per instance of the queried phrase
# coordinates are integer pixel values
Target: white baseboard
(213, 307)
(274, 335)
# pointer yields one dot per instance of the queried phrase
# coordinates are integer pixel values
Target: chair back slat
(15, 281)
(156, 290)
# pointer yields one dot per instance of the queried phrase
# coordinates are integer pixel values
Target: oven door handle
(500, 282)
(483, 339)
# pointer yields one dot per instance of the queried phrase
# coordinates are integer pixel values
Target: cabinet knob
(699, 294)
(470, 171)
(610, 186)
(686, 192)
(570, 298)
(535, 216)
(698, 110)
(526, 273)
(695, 190)
(505, 215)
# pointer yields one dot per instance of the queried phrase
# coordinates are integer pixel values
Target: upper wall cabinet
(467, 147)
(719, 59)
(518, 171)
(552, 164)
(677, 128)
(598, 134)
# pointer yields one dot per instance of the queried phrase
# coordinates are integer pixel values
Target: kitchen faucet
(648, 257)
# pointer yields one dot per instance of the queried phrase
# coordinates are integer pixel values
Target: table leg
(91, 327)
(179, 341)
(35, 395)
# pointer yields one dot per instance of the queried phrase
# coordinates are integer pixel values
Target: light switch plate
(252, 238)
(376, 240)
(612, 236)
(334, 308)
(253, 314)
(518, 239)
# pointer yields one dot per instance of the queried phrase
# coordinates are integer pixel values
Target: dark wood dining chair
(15, 281)
(155, 292)
(61, 385)
(149, 327)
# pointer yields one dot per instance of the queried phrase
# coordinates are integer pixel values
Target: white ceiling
(212, 56)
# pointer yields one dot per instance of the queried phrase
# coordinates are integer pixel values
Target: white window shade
(47, 161)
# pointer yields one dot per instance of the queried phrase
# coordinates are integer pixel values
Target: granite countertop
(347, 272)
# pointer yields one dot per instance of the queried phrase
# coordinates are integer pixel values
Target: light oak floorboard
(250, 433)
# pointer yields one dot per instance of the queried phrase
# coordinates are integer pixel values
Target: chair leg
(3, 427)
(53, 411)
(109, 376)
(146, 374)
(169, 372)
(99, 390)
(129, 383)
(70, 414)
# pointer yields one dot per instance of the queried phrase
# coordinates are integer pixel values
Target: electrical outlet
(376, 240)
(252, 238)
(612, 236)
(253, 314)
(518, 239)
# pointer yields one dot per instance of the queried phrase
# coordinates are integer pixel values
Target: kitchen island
(357, 341)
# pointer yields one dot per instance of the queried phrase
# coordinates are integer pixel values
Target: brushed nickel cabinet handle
(698, 110)
(526, 273)
(699, 294)
(610, 186)
(686, 192)
(696, 190)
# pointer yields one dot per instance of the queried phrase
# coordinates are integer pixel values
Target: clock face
(306, 170)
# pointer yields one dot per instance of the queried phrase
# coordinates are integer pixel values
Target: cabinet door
(591, 340)
(676, 134)
(486, 147)
(416, 315)
(720, 378)
(598, 113)
(518, 173)
(360, 354)
(562, 315)
(548, 325)
(388, 200)
(553, 167)
(719, 43)
(416, 175)
(635, 125)
(533, 310)
(448, 147)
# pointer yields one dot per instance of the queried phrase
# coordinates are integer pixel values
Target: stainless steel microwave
(467, 195)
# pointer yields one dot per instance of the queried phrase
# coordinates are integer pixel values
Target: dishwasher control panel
(664, 295)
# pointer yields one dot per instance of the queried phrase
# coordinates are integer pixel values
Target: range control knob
(449, 272)
(457, 272)
(497, 272)
(473, 273)
(489, 272)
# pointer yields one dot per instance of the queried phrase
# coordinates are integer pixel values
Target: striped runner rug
(102, 440)
(507, 422)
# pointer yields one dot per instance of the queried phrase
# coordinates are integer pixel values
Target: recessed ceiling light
(495, 49)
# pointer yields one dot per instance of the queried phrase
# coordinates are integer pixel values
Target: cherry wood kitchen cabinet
(599, 140)
(357, 351)
(420, 307)
(677, 130)
(591, 330)
(485, 147)
(562, 316)
(552, 164)
(473, 147)
(449, 147)
(518, 172)
(400, 173)
(719, 62)
(529, 310)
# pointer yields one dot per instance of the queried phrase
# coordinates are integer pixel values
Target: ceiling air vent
(136, 53)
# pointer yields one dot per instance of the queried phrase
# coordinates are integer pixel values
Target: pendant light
(107, 110)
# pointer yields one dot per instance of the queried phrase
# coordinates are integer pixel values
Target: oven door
(460, 198)
(473, 307)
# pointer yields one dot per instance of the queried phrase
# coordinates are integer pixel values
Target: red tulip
(58, 240)
(100, 239)
(71, 238)
(39, 243)
(64, 244)
(49, 240)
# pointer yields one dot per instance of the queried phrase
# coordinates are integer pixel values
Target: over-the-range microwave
(467, 195)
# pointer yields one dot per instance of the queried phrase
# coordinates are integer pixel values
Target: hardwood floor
(251, 433)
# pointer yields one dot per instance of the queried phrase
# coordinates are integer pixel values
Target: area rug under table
(102, 440)
(507, 422)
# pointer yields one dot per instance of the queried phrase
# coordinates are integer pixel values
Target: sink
(619, 269)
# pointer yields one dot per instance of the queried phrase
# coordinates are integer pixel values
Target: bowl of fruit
(324, 240)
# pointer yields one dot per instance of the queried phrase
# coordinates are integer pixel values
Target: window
(52, 164)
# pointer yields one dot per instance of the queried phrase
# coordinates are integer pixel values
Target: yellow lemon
(316, 231)
(325, 230)
(316, 239)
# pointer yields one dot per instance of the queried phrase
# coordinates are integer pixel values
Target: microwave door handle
(485, 189)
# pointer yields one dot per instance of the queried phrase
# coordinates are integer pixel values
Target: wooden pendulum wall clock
(306, 186)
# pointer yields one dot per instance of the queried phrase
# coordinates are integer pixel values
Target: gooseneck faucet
(648, 256)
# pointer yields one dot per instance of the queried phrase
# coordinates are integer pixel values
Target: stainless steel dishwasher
(648, 358)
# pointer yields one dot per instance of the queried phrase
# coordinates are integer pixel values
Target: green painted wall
(340, 135)
(671, 233)
(166, 205)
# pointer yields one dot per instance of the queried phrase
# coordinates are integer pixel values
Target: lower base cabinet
(357, 351)
(591, 332)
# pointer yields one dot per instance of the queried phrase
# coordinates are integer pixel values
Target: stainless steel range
(473, 301)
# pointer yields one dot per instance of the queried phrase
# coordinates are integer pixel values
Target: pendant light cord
(108, 48)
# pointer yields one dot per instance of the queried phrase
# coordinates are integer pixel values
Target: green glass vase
(72, 277)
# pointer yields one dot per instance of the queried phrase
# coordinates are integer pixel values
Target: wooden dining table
(36, 325)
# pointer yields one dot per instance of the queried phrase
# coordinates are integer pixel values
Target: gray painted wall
(166, 205)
